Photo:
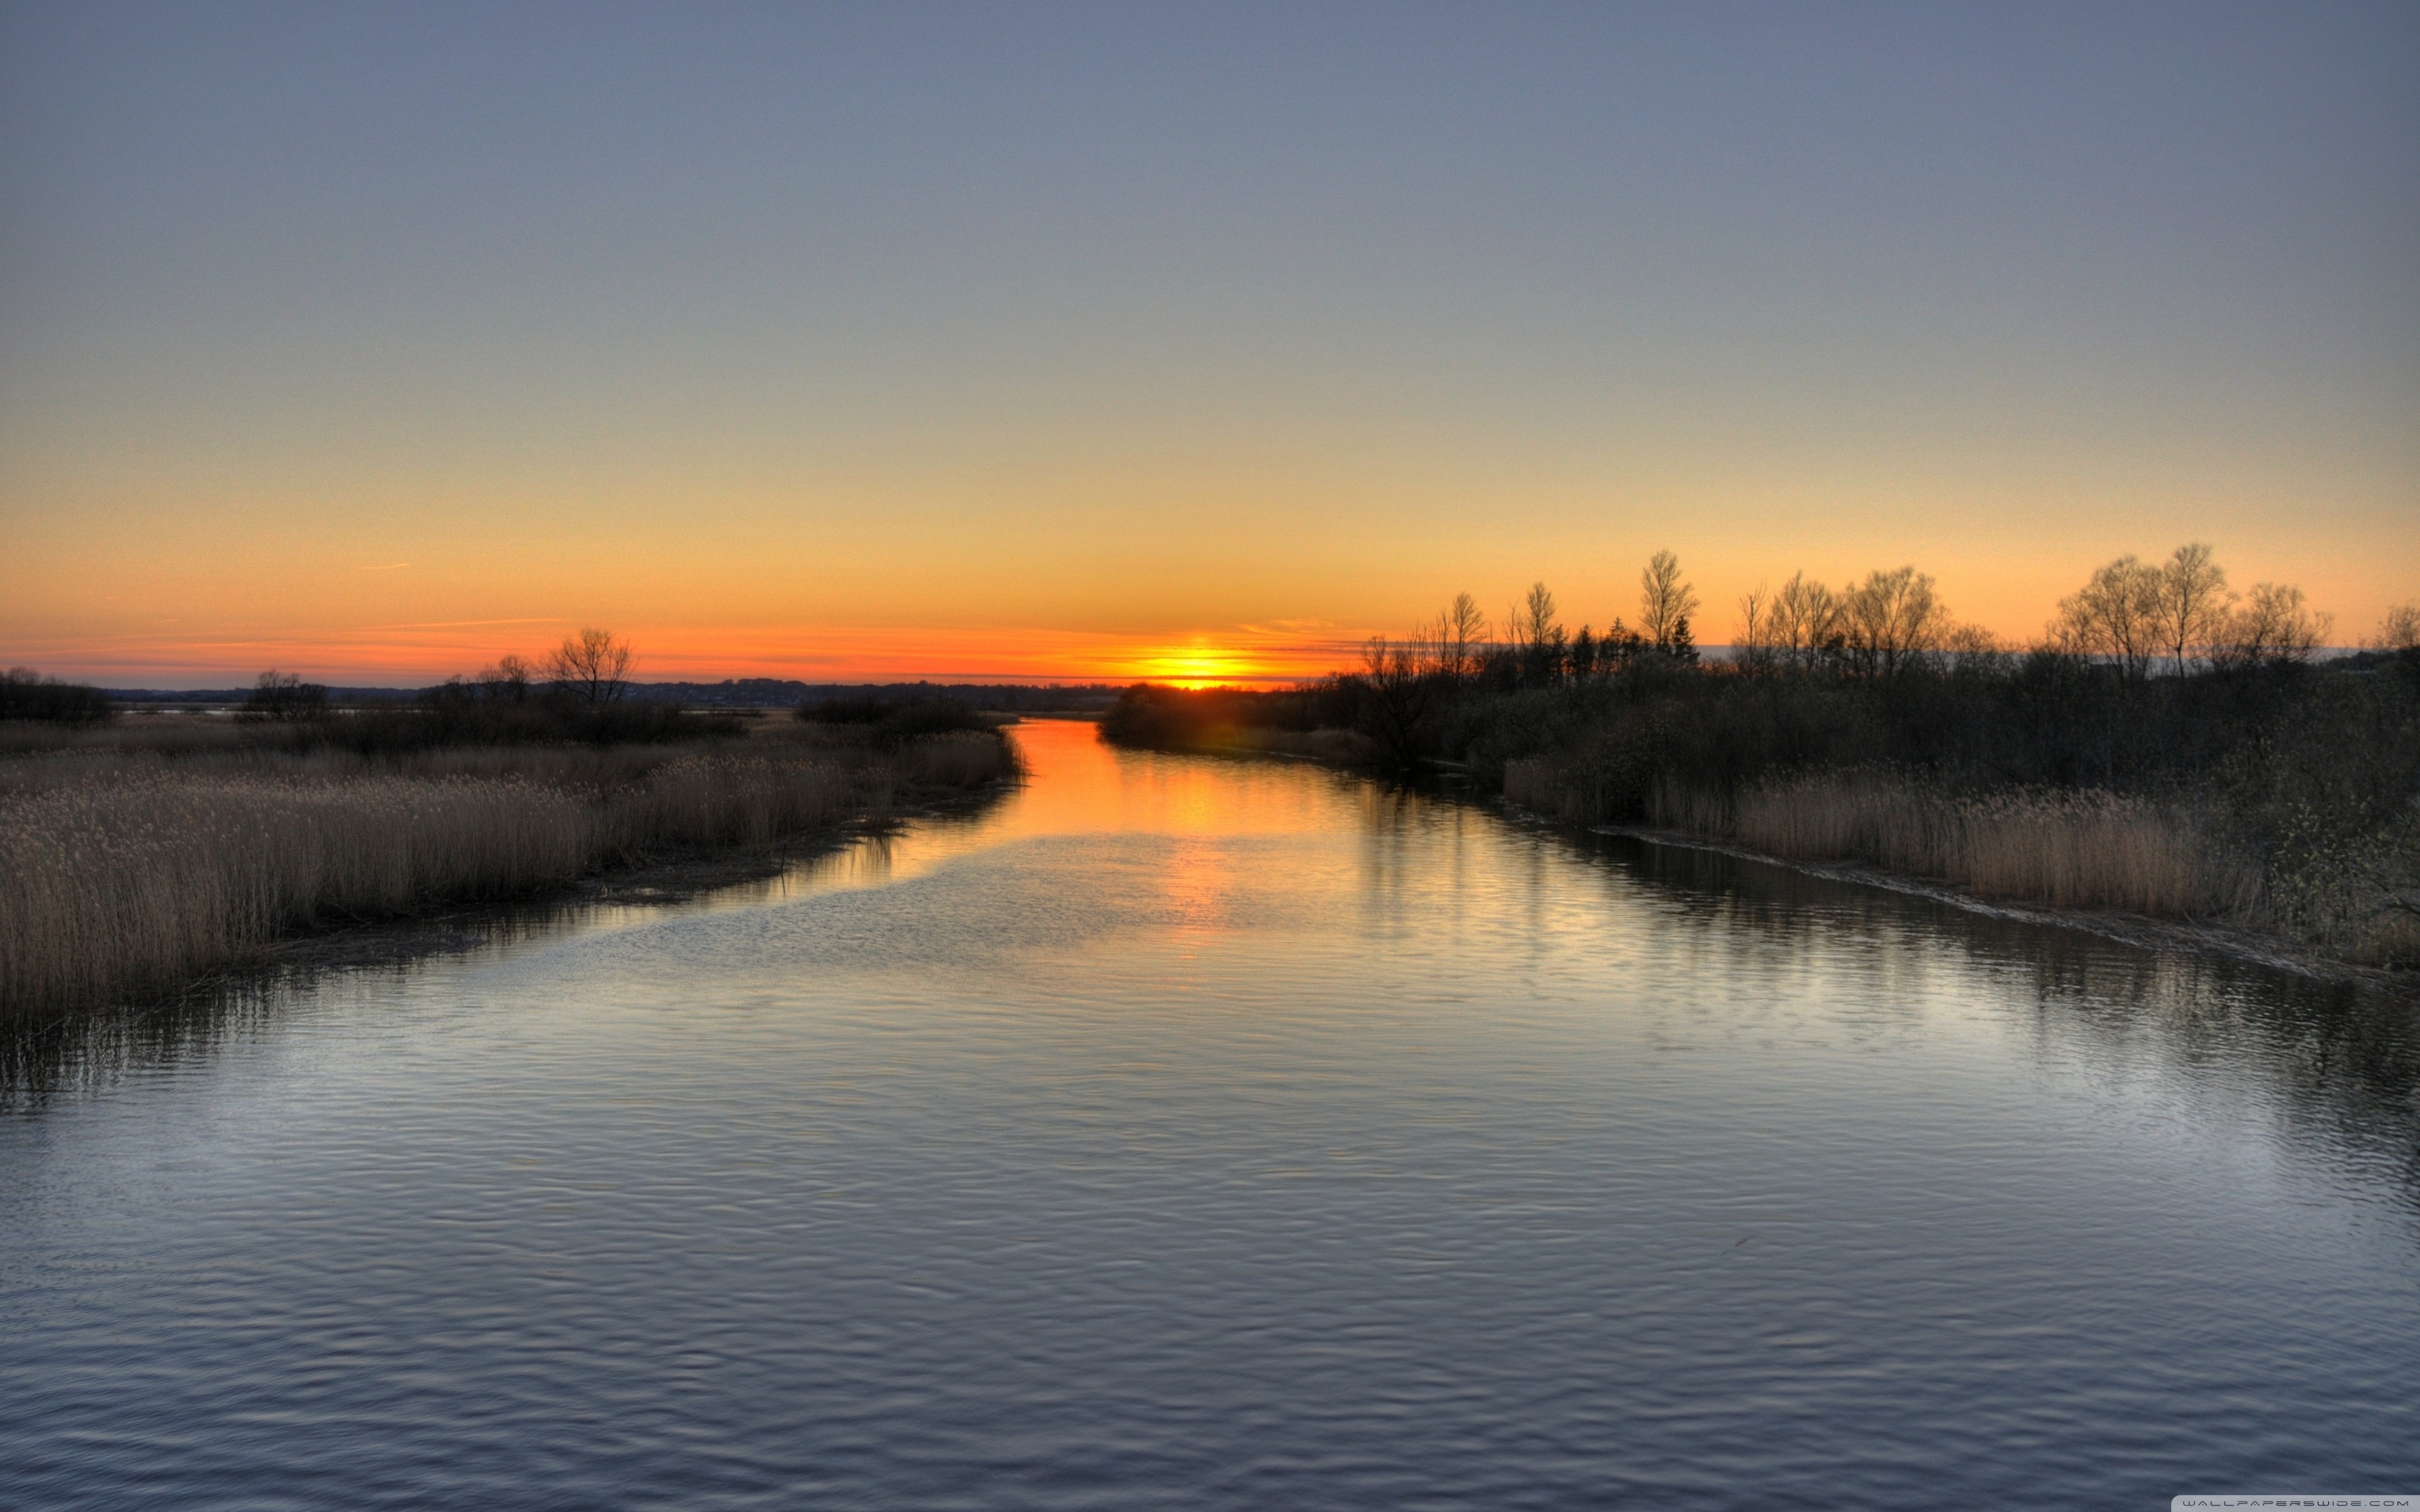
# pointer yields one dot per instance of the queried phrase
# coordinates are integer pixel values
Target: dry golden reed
(2067, 849)
(121, 873)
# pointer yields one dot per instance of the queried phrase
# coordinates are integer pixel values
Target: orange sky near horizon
(400, 623)
(1231, 566)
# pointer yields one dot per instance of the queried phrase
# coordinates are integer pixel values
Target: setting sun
(1200, 667)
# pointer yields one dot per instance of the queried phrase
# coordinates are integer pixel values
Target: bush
(26, 694)
(459, 714)
(895, 721)
(285, 698)
(1148, 715)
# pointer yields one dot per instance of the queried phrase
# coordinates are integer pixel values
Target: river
(1186, 1132)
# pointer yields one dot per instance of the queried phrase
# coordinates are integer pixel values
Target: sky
(1076, 342)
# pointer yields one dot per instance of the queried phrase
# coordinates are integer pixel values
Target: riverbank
(131, 870)
(2077, 852)
(2278, 800)
(2261, 947)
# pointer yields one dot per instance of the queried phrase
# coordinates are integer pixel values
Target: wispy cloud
(461, 624)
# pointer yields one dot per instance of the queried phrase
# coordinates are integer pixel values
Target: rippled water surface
(1192, 1134)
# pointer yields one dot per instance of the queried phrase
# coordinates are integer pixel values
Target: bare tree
(1805, 619)
(2116, 615)
(1663, 599)
(2276, 624)
(1537, 635)
(1890, 619)
(2399, 630)
(1753, 641)
(509, 678)
(2190, 603)
(1538, 622)
(1462, 631)
(592, 664)
(1973, 648)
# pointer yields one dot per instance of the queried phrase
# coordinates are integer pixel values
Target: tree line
(2153, 683)
(2139, 619)
(591, 669)
(26, 694)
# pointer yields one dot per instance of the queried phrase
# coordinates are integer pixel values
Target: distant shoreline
(768, 693)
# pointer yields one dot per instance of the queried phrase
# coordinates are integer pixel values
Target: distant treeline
(2153, 685)
(581, 692)
(733, 693)
(26, 694)
(577, 698)
(893, 720)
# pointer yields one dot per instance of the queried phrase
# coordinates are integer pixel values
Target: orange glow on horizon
(1202, 665)
(414, 655)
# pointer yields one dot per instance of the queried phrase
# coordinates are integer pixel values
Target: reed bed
(175, 733)
(961, 759)
(2067, 849)
(122, 873)
(1542, 787)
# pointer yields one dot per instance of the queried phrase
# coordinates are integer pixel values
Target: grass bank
(127, 866)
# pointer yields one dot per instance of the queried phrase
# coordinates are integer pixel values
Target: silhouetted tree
(284, 697)
(1462, 636)
(1584, 654)
(1804, 621)
(2400, 628)
(2115, 616)
(1752, 643)
(1890, 620)
(2275, 625)
(592, 665)
(1539, 634)
(509, 680)
(1663, 599)
(1400, 686)
(1681, 646)
(1618, 647)
(2190, 603)
(26, 694)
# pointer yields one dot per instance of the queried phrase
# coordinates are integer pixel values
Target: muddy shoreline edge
(2129, 929)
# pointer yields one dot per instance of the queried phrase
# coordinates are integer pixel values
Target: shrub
(284, 699)
(26, 694)
(894, 722)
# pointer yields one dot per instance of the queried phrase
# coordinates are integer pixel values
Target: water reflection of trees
(2337, 1063)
